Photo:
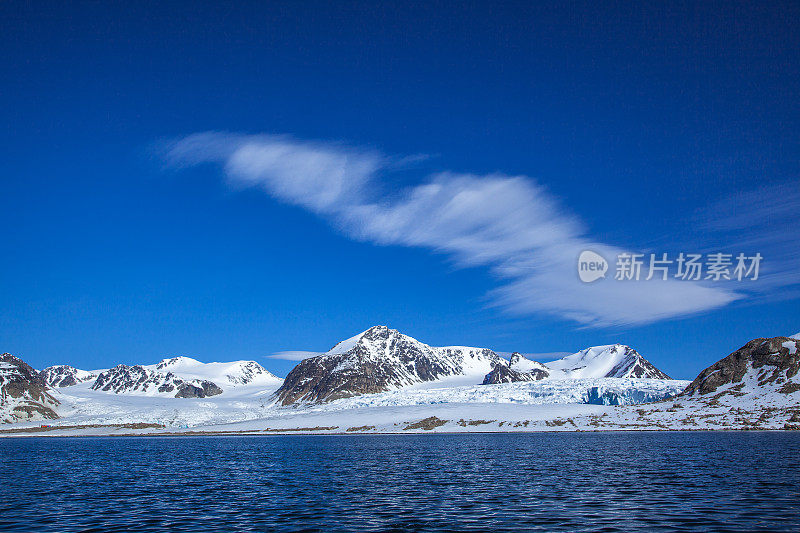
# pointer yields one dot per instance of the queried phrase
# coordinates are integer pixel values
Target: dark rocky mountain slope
(24, 395)
(768, 363)
(378, 360)
(124, 379)
(517, 369)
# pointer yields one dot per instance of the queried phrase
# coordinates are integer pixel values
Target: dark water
(538, 482)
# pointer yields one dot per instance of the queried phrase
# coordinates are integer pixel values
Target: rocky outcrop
(503, 374)
(769, 363)
(612, 361)
(24, 394)
(65, 376)
(518, 369)
(124, 378)
(634, 365)
(137, 379)
(200, 390)
(376, 361)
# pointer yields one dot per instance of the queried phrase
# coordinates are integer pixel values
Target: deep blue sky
(641, 119)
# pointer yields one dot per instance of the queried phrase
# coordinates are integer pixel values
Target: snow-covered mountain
(24, 394)
(518, 368)
(231, 374)
(183, 377)
(65, 375)
(611, 361)
(762, 366)
(520, 363)
(756, 387)
(136, 379)
(376, 360)
(382, 359)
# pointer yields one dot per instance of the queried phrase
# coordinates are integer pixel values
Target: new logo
(591, 266)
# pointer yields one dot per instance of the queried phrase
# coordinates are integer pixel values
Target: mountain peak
(375, 333)
(377, 360)
(24, 395)
(181, 360)
(769, 363)
(376, 329)
(519, 368)
(65, 375)
(609, 361)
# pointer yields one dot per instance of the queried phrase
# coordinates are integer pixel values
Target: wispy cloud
(763, 220)
(510, 224)
(293, 355)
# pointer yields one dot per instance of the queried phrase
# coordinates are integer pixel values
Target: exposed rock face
(65, 376)
(124, 378)
(201, 390)
(634, 365)
(612, 361)
(501, 373)
(518, 369)
(772, 363)
(138, 379)
(376, 361)
(24, 394)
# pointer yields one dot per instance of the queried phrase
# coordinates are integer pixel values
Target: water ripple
(503, 482)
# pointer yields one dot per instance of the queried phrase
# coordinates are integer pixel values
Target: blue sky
(231, 182)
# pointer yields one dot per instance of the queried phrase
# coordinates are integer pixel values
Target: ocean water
(702, 481)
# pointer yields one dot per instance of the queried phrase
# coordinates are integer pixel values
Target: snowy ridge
(611, 361)
(184, 377)
(520, 363)
(136, 379)
(66, 376)
(516, 369)
(382, 359)
(232, 374)
(377, 360)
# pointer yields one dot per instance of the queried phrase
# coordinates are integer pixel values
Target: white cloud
(315, 176)
(510, 224)
(293, 355)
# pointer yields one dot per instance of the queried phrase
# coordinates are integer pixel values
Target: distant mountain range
(182, 377)
(379, 360)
